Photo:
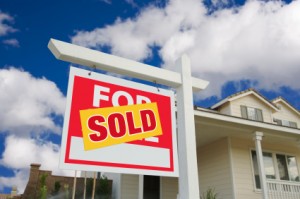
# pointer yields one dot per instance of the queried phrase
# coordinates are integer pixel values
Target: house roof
(244, 93)
(281, 99)
(215, 115)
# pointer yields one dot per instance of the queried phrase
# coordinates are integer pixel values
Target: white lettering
(98, 96)
(140, 99)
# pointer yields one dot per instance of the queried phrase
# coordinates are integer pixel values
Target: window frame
(280, 122)
(275, 164)
(245, 113)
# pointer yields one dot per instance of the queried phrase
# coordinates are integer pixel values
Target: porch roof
(212, 125)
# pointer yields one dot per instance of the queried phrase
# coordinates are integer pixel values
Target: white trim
(119, 188)
(265, 101)
(220, 103)
(287, 104)
(247, 122)
(261, 168)
(252, 169)
(229, 99)
(231, 168)
(141, 187)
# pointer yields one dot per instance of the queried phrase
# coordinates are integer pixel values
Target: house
(13, 194)
(54, 186)
(235, 137)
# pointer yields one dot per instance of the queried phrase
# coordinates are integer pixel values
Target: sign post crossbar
(95, 59)
(181, 80)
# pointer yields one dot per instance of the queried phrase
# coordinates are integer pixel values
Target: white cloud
(133, 38)
(4, 27)
(20, 152)
(19, 180)
(12, 42)
(131, 2)
(28, 104)
(259, 41)
(28, 108)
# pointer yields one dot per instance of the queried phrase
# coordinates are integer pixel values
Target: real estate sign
(116, 125)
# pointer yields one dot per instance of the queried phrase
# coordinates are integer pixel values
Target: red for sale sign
(116, 125)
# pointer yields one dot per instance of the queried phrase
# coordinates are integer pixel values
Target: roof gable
(243, 94)
(280, 99)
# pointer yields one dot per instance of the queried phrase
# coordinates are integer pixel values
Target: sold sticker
(102, 127)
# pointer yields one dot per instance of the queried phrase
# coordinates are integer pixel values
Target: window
(282, 167)
(292, 168)
(269, 167)
(285, 123)
(277, 166)
(251, 113)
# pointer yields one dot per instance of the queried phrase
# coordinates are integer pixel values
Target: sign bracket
(92, 58)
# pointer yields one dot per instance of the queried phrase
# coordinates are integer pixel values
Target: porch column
(262, 176)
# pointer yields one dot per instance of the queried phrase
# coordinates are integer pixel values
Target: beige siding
(285, 113)
(169, 188)
(225, 109)
(214, 168)
(242, 164)
(129, 186)
(251, 101)
(243, 174)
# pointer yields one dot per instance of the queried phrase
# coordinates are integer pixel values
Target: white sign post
(181, 80)
(187, 149)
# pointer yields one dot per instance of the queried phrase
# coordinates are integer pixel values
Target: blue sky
(233, 44)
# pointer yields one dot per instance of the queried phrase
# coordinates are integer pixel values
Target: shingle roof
(240, 94)
(286, 102)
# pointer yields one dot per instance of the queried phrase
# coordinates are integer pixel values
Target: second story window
(285, 123)
(251, 113)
